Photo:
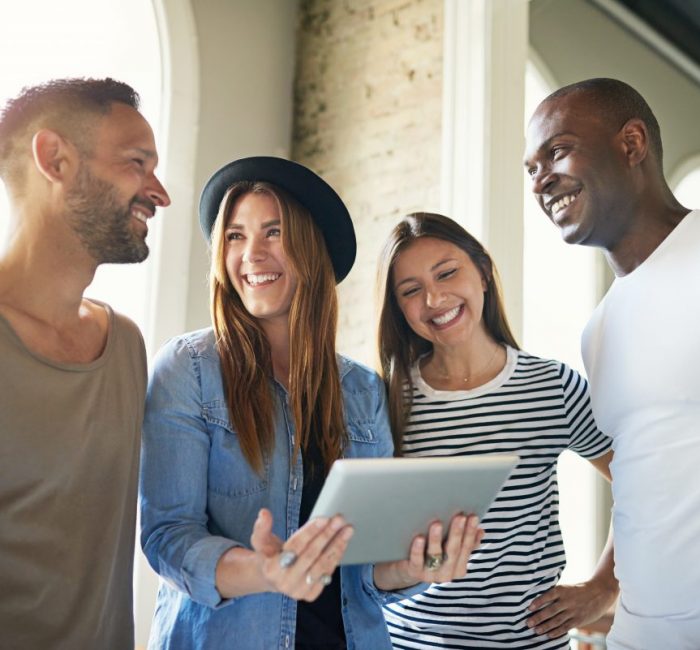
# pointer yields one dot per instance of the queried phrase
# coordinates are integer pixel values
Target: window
(687, 188)
(559, 294)
(93, 38)
(86, 38)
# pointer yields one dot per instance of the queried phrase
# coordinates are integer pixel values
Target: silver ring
(287, 559)
(325, 579)
(309, 579)
(433, 562)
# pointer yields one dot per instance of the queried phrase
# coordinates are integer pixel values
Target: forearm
(604, 572)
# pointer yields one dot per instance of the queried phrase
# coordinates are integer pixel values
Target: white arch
(170, 267)
(178, 135)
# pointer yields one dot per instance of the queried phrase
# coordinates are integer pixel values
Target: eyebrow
(432, 268)
(266, 224)
(547, 143)
(146, 153)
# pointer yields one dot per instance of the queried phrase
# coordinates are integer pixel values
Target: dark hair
(617, 102)
(399, 346)
(64, 105)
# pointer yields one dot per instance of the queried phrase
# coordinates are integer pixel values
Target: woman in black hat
(243, 421)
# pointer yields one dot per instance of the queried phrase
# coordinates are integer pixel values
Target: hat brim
(310, 190)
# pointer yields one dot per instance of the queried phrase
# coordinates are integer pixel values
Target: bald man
(595, 157)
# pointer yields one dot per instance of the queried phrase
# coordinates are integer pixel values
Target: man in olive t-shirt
(78, 161)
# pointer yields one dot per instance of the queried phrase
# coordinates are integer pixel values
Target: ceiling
(676, 20)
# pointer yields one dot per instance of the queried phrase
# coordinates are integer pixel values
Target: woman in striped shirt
(459, 385)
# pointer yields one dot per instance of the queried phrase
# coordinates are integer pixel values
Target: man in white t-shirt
(594, 155)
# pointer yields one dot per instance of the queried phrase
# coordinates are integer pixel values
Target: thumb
(263, 540)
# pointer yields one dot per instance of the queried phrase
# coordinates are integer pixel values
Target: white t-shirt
(641, 349)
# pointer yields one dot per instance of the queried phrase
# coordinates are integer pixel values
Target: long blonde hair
(399, 346)
(246, 365)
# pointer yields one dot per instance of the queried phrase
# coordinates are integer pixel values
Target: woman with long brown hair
(458, 386)
(243, 421)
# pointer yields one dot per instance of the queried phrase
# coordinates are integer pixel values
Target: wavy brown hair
(315, 396)
(399, 346)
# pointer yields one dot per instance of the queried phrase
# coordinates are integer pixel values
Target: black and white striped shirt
(534, 408)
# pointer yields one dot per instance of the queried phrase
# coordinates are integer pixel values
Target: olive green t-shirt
(69, 454)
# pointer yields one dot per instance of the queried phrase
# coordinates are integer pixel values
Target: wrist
(388, 576)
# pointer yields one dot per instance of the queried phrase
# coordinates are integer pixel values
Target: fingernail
(320, 522)
(348, 533)
(337, 523)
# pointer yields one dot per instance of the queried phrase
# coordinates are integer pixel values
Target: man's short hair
(617, 102)
(63, 105)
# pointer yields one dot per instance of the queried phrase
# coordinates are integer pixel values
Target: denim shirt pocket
(363, 440)
(230, 474)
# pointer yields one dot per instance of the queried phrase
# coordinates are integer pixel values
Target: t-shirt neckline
(450, 395)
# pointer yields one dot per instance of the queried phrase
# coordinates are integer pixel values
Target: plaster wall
(246, 53)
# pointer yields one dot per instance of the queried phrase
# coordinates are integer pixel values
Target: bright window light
(86, 38)
(559, 294)
(688, 190)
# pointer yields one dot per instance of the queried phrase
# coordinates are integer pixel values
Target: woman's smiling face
(439, 290)
(256, 262)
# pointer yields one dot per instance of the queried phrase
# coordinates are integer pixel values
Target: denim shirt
(199, 498)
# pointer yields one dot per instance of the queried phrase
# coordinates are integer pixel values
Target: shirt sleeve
(584, 436)
(173, 479)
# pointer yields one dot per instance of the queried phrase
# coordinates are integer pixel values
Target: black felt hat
(318, 197)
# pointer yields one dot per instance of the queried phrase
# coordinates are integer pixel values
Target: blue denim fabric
(199, 497)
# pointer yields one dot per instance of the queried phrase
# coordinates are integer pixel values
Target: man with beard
(594, 155)
(78, 161)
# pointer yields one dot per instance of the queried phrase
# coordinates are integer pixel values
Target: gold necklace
(464, 380)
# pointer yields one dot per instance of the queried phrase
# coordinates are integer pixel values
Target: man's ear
(635, 141)
(53, 155)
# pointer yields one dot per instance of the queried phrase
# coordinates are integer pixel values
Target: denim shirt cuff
(199, 569)
(387, 597)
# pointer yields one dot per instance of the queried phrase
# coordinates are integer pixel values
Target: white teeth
(563, 202)
(141, 216)
(255, 279)
(446, 317)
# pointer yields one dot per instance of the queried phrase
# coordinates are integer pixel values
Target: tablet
(389, 501)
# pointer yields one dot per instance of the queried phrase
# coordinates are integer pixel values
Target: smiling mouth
(142, 211)
(257, 279)
(563, 202)
(447, 317)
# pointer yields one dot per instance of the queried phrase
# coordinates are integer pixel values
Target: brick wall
(367, 117)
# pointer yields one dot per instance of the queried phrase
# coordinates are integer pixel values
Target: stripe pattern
(536, 409)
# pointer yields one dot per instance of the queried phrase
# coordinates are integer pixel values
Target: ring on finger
(287, 559)
(309, 579)
(434, 561)
(325, 579)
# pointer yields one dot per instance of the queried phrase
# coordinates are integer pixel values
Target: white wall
(246, 71)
